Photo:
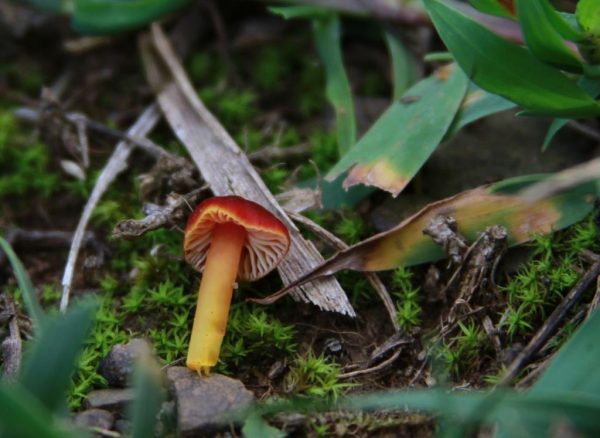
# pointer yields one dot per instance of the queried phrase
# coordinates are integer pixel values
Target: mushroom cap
(266, 244)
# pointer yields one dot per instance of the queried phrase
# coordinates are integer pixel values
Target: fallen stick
(116, 164)
(227, 169)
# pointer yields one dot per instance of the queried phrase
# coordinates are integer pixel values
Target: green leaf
(304, 11)
(575, 368)
(148, 399)
(592, 87)
(403, 65)
(50, 359)
(96, 17)
(21, 415)
(495, 7)
(542, 38)
(397, 145)
(477, 104)
(588, 16)
(47, 5)
(327, 38)
(256, 427)
(29, 296)
(506, 69)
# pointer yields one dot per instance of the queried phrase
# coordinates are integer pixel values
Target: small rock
(99, 418)
(118, 363)
(202, 402)
(110, 399)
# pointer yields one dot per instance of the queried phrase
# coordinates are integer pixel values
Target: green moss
(315, 376)
(466, 350)
(270, 68)
(351, 228)
(24, 165)
(407, 296)
(200, 66)
(275, 178)
(552, 271)
(256, 337)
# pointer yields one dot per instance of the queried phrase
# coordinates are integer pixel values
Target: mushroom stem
(214, 296)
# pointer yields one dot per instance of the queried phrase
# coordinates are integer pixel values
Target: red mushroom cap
(267, 242)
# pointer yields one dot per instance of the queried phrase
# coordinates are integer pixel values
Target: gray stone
(111, 399)
(119, 362)
(203, 402)
(99, 418)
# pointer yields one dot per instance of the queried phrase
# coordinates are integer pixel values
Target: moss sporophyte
(226, 238)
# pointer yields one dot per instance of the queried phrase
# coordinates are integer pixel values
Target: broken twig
(11, 347)
(158, 216)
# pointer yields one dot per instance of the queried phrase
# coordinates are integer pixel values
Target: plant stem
(214, 296)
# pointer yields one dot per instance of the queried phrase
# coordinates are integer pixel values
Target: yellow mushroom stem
(214, 296)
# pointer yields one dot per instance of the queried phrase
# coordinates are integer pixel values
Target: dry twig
(11, 347)
(158, 216)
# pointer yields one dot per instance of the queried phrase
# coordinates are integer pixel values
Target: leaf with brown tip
(474, 210)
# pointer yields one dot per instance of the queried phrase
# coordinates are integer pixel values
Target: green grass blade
(56, 6)
(29, 296)
(21, 415)
(97, 17)
(404, 72)
(591, 87)
(256, 427)
(506, 69)
(477, 104)
(327, 36)
(504, 9)
(149, 396)
(50, 359)
(575, 368)
(394, 149)
(542, 38)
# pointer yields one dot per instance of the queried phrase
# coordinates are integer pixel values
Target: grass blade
(501, 8)
(394, 149)
(477, 104)
(575, 369)
(256, 427)
(542, 38)
(403, 65)
(51, 357)
(327, 36)
(29, 296)
(21, 415)
(149, 396)
(97, 17)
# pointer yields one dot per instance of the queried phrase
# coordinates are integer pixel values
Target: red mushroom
(227, 237)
